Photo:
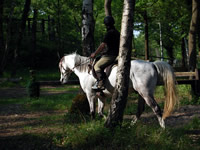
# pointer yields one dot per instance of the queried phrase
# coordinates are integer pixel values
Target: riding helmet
(109, 21)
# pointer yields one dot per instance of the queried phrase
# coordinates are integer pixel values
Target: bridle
(72, 70)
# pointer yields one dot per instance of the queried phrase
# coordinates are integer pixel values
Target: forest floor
(15, 120)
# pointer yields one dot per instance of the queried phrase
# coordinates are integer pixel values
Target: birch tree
(119, 98)
(87, 27)
(107, 7)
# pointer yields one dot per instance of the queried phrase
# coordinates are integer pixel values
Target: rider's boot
(100, 83)
(95, 86)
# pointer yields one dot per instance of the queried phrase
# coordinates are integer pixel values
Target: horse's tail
(166, 72)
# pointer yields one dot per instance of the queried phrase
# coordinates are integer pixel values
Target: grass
(45, 103)
(93, 135)
(54, 132)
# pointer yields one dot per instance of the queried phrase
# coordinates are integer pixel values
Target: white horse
(143, 79)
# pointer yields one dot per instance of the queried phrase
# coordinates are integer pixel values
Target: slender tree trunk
(107, 7)
(183, 52)
(169, 49)
(119, 98)
(34, 29)
(161, 45)
(1, 26)
(59, 31)
(87, 35)
(146, 36)
(20, 36)
(87, 27)
(5, 51)
(192, 35)
(198, 29)
(199, 39)
(49, 27)
(1, 33)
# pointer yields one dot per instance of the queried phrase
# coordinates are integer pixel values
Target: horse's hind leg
(156, 109)
(140, 109)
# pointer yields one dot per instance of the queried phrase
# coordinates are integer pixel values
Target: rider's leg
(99, 69)
(101, 79)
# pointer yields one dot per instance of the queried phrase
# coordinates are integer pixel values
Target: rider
(109, 48)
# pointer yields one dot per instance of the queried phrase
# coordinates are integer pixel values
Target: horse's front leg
(140, 109)
(91, 99)
(101, 103)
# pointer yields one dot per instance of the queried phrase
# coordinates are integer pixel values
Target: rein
(71, 70)
(80, 64)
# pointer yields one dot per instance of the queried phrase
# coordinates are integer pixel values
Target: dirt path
(14, 120)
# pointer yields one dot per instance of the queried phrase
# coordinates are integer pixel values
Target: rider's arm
(99, 49)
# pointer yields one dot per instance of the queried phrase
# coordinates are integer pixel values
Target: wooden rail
(190, 75)
(191, 78)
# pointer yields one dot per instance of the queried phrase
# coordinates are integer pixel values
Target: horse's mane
(81, 62)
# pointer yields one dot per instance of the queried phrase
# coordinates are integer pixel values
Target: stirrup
(95, 86)
(101, 85)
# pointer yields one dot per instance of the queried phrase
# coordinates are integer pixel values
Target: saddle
(107, 70)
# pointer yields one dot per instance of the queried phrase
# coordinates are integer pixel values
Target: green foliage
(67, 18)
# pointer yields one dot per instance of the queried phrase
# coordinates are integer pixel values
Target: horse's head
(65, 71)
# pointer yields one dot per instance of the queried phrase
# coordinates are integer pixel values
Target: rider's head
(109, 21)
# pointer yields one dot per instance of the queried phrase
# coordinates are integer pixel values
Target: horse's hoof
(102, 116)
(133, 122)
(162, 123)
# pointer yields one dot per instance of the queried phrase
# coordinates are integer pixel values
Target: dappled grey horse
(143, 79)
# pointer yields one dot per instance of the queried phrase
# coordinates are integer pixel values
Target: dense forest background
(37, 33)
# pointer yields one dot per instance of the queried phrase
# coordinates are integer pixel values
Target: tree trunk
(146, 36)
(87, 27)
(169, 49)
(59, 31)
(1, 26)
(192, 35)
(5, 50)
(119, 98)
(34, 29)
(161, 45)
(20, 35)
(199, 39)
(183, 52)
(198, 29)
(107, 7)
(1, 32)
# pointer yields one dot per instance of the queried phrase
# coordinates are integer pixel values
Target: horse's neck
(81, 68)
